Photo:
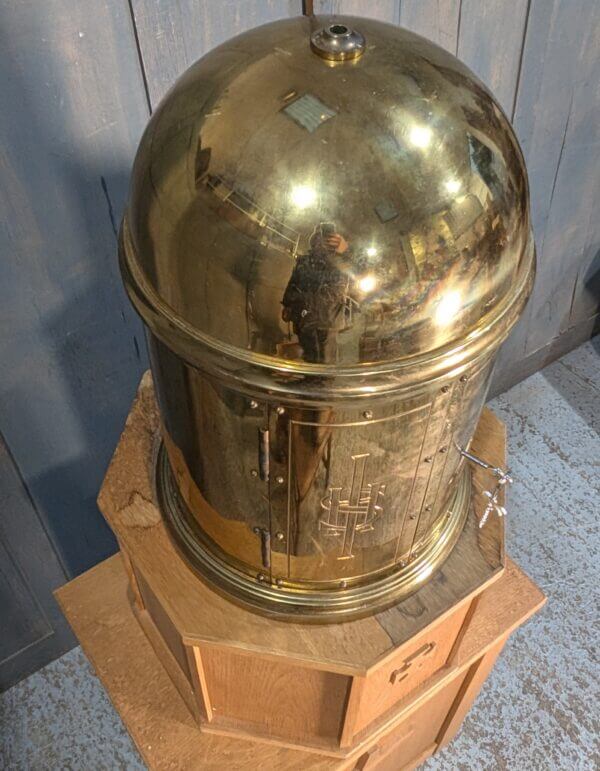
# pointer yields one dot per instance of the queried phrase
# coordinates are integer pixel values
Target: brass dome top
(308, 215)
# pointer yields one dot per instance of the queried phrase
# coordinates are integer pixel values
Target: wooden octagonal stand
(382, 692)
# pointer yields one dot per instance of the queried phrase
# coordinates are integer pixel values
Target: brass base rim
(294, 604)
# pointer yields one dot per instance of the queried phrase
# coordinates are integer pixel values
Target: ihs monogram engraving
(356, 513)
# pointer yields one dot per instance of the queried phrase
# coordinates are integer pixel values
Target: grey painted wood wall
(79, 79)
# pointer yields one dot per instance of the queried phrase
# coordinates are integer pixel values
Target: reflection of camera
(327, 230)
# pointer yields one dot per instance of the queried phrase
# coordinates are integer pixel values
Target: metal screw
(443, 449)
(280, 410)
(427, 508)
(256, 530)
(343, 584)
(279, 581)
(402, 564)
(253, 473)
(279, 480)
(413, 516)
(428, 459)
(261, 577)
(368, 414)
(279, 535)
(445, 389)
(253, 405)
(464, 378)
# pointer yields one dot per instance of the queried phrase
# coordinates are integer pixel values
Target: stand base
(98, 606)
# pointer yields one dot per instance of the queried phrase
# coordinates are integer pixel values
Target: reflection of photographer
(315, 296)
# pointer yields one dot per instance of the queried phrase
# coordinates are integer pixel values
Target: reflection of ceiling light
(447, 308)
(303, 196)
(371, 251)
(367, 283)
(420, 136)
(453, 185)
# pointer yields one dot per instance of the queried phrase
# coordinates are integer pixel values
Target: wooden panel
(506, 605)
(436, 20)
(414, 734)
(23, 621)
(133, 582)
(470, 687)
(98, 608)
(32, 628)
(493, 55)
(408, 669)
(196, 666)
(163, 624)
(556, 120)
(586, 295)
(73, 111)
(384, 10)
(568, 107)
(273, 698)
(173, 35)
(166, 659)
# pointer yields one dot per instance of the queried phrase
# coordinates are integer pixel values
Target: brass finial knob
(337, 42)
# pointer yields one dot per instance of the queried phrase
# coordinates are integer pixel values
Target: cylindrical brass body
(327, 254)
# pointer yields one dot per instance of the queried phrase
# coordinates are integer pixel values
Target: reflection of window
(462, 214)
(309, 112)
(254, 220)
(481, 158)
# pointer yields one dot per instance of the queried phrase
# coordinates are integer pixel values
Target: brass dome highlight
(328, 238)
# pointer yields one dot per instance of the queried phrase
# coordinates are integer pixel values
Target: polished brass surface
(299, 599)
(327, 255)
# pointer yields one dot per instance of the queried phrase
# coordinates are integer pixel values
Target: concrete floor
(540, 707)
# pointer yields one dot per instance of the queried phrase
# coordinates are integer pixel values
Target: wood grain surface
(99, 609)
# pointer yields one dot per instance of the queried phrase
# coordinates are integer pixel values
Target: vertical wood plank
(138, 600)
(199, 684)
(556, 121)
(475, 678)
(355, 692)
(384, 10)
(73, 111)
(586, 294)
(568, 108)
(172, 36)
(490, 41)
(436, 20)
(33, 631)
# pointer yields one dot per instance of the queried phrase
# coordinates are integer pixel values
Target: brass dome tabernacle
(327, 255)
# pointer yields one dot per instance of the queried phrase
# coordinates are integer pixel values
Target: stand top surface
(128, 503)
